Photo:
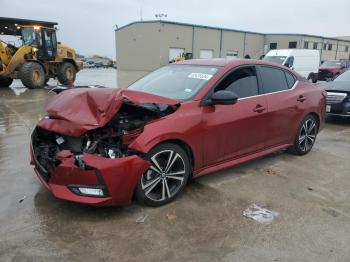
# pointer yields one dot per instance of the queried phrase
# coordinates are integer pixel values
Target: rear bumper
(117, 177)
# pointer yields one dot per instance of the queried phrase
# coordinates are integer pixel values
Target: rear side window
(273, 79)
(290, 80)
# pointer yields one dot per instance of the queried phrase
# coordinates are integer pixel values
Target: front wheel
(32, 75)
(306, 136)
(166, 177)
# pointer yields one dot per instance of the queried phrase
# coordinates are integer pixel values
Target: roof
(226, 29)
(8, 26)
(294, 51)
(225, 62)
(307, 35)
(186, 24)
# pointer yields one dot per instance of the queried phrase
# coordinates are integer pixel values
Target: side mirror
(222, 97)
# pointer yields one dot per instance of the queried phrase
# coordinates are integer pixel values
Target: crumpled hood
(75, 111)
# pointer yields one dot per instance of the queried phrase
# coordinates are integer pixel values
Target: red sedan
(106, 146)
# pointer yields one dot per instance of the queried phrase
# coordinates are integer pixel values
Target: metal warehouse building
(146, 45)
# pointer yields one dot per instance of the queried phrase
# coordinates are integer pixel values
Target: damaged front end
(94, 164)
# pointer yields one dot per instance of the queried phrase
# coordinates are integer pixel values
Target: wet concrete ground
(205, 223)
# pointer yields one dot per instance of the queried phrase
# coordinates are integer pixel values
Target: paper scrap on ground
(141, 219)
(260, 214)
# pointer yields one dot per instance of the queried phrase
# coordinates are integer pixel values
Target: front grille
(44, 155)
(335, 98)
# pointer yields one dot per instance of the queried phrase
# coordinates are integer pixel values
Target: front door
(48, 49)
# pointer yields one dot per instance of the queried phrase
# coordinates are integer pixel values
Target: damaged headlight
(80, 161)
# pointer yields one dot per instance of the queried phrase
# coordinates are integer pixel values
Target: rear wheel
(305, 137)
(166, 177)
(32, 75)
(66, 73)
(5, 81)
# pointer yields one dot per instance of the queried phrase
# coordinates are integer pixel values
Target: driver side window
(243, 82)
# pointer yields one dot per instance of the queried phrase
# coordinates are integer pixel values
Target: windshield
(332, 63)
(275, 59)
(28, 36)
(180, 82)
(344, 77)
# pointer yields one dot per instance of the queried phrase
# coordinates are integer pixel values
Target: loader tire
(32, 75)
(66, 73)
(5, 81)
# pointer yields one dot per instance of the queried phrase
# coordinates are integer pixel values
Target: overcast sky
(88, 25)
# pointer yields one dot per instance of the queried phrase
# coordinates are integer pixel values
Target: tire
(167, 176)
(32, 75)
(5, 81)
(306, 136)
(66, 73)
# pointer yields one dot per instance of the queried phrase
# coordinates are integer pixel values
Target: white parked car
(303, 61)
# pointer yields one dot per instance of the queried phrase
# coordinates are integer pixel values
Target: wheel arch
(38, 62)
(70, 60)
(185, 146)
(317, 117)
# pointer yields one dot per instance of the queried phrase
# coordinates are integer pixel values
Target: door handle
(301, 98)
(259, 109)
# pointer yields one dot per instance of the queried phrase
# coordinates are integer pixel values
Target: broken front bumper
(116, 178)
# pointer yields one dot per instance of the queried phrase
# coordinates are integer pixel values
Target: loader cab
(43, 39)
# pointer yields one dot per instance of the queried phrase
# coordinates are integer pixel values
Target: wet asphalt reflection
(205, 223)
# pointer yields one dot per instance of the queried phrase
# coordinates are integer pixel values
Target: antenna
(160, 16)
(141, 18)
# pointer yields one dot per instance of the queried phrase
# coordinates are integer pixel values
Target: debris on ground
(171, 216)
(22, 199)
(18, 90)
(310, 189)
(270, 172)
(260, 214)
(141, 219)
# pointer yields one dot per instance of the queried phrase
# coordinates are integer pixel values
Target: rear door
(231, 131)
(285, 104)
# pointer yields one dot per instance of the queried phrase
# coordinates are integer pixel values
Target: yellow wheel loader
(38, 57)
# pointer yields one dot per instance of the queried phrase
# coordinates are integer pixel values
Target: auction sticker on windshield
(200, 76)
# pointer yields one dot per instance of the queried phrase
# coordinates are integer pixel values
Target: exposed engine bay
(110, 141)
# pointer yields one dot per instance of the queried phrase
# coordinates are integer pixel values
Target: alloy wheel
(165, 176)
(307, 135)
